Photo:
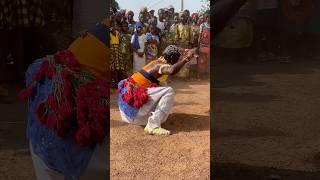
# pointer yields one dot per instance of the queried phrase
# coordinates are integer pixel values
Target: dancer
(68, 110)
(144, 99)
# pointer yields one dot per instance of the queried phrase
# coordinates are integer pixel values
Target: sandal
(157, 131)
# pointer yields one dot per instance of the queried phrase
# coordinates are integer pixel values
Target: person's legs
(114, 78)
(261, 33)
(41, 170)
(272, 33)
(3, 55)
(98, 165)
(161, 112)
(266, 40)
(153, 113)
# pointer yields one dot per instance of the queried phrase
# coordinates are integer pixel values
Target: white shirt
(160, 25)
(142, 41)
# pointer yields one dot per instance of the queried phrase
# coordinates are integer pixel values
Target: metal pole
(181, 5)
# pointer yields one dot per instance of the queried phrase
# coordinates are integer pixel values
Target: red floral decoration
(92, 111)
(135, 95)
(77, 97)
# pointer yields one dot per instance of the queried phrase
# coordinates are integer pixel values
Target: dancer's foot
(157, 131)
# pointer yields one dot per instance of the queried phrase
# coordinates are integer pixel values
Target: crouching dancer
(68, 109)
(143, 99)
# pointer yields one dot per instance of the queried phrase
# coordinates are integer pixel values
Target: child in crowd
(138, 41)
(165, 35)
(152, 44)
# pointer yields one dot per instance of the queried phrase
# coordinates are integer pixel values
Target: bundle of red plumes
(134, 95)
(78, 102)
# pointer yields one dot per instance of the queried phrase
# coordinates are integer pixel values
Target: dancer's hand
(189, 53)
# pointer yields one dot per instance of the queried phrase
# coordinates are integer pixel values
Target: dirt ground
(183, 155)
(15, 159)
(266, 126)
(266, 120)
(133, 155)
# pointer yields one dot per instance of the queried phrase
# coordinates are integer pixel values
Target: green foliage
(205, 7)
(115, 4)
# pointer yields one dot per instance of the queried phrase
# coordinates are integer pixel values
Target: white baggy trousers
(156, 110)
(97, 168)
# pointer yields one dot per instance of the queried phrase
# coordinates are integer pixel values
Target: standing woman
(294, 15)
(138, 42)
(204, 46)
(182, 38)
(195, 29)
(237, 37)
(126, 50)
(115, 60)
(131, 22)
(68, 110)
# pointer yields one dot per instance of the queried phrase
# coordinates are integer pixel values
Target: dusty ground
(266, 121)
(183, 155)
(266, 126)
(15, 159)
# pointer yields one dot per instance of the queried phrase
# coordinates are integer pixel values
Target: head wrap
(170, 53)
(136, 36)
(129, 12)
(123, 11)
(194, 14)
(92, 49)
(143, 9)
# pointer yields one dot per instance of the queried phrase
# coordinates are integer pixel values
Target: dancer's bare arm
(174, 69)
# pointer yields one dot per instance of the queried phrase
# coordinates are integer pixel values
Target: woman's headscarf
(129, 12)
(195, 14)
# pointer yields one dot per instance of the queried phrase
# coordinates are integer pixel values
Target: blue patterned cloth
(136, 36)
(128, 110)
(150, 37)
(62, 155)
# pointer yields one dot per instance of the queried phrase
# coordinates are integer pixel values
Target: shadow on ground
(224, 96)
(13, 120)
(248, 133)
(233, 171)
(115, 124)
(180, 122)
(231, 75)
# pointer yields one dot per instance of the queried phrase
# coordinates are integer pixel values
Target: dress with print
(115, 55)
(166, 39)
(195, 30)
(126, 53)
(182, 38)
(132, 27)
(23, 13)
(204, 49)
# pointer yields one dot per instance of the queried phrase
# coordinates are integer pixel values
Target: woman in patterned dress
(126, 50)
(116, 65)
